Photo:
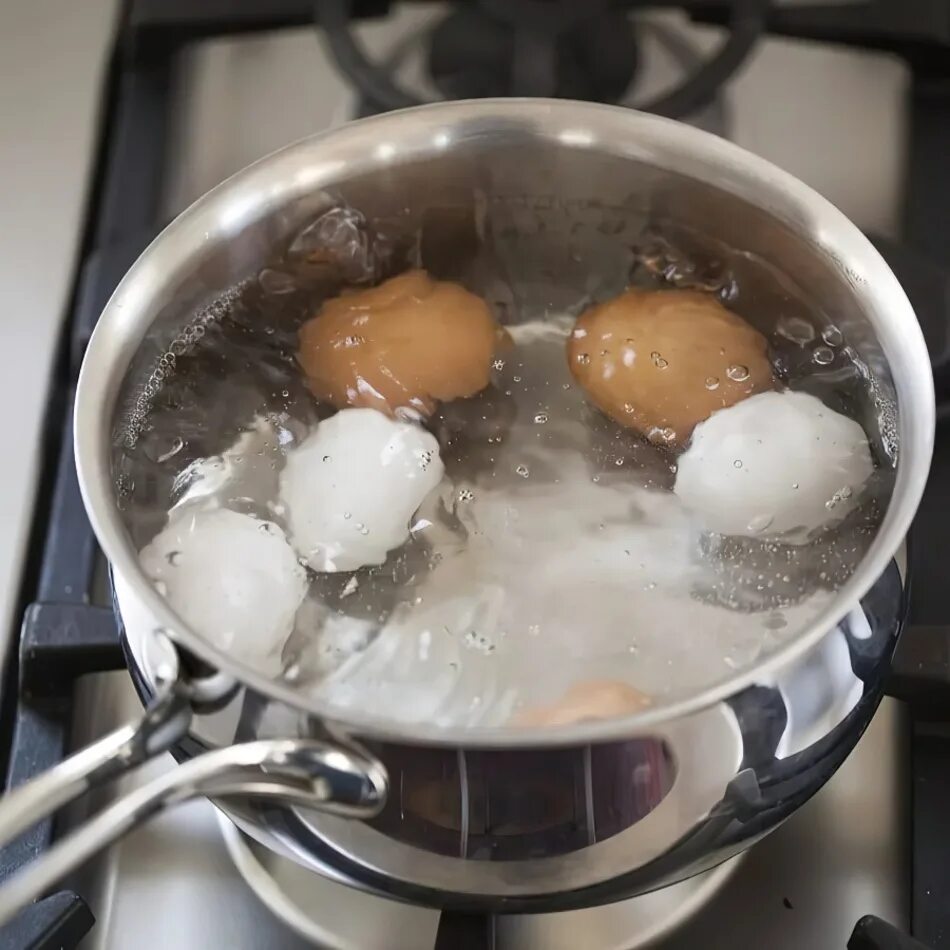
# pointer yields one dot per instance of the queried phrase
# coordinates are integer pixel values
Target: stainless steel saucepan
(510, 817)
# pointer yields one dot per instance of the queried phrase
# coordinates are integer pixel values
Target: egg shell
(662, 361)
(777, 462)
(585, 701)
(350, 488)
(409, 343)
(232, 577)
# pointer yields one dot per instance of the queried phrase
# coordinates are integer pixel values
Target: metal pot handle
(305, 772)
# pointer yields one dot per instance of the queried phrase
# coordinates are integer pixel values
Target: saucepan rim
(391, 139)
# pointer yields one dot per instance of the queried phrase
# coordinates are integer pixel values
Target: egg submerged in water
(662, 361)
(586, 701)
(776, 463)
(232, 577)
(350, 489)
(407, 344)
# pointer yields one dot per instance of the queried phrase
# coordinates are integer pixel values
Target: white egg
(350, 489)
(233, 578)
(774, 463)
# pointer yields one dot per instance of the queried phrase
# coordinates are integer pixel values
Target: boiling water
(553, 551)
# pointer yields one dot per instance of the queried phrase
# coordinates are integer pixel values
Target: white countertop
(53, 57)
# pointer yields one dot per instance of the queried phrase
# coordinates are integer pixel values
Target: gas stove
(196, 91)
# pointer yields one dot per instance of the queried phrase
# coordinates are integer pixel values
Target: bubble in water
(374, 590)
(293, 672)
(760, 523)
(823, 355)
(478, 642)
(738, 373)
(347, 516)
(737, 463)
(516, 379)
(832, 335)
(661, 435)
(796, 329)
(173, 557)
(171, 452)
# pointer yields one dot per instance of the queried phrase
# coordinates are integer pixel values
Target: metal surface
(238, 99)
(779, 896)
(676, 788)
(72, 777)
(843, 854)
(285, 770)
(585, 824)
(313, 774)
(538, 149)
(53, 57)
(298, 898)
(706, 793)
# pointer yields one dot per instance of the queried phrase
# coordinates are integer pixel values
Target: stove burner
(299, 896)
(498, 50)
(576, 48)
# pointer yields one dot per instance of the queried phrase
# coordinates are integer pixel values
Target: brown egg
(589, 699)
(410, 342)
(662, 361)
